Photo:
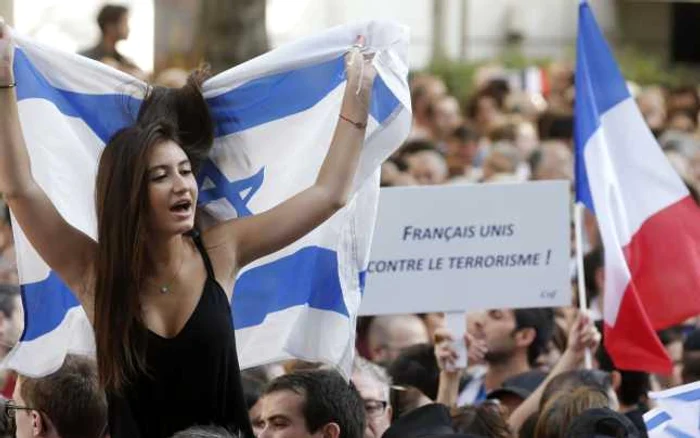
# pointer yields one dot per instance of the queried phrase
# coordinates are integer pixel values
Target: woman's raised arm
(256, 236)
(65, 249)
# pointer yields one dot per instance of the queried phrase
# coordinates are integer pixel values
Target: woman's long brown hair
(121, 198)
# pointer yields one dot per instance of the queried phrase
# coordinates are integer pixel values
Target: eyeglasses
(11, 408)
(375, 408)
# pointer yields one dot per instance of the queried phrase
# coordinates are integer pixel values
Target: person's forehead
(407, 326)
(284, 403)
(166, 151)
(368, 387)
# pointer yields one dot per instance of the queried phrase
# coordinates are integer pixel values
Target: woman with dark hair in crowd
(156, 291)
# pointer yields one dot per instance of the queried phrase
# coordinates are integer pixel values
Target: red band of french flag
(649, 224)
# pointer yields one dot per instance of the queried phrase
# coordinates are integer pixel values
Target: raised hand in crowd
(446, 355)
(582, 336)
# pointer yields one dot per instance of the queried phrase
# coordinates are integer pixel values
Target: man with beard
(514, 339)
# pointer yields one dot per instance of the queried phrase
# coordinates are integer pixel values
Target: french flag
(649, 224)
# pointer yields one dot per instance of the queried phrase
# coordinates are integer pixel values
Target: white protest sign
(470, 247)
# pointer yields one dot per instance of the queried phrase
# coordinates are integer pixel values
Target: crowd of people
(525, 376)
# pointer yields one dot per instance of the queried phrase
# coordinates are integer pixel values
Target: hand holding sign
(446, 352)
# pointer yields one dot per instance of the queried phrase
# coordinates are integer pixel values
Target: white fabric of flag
(275, 116)
(677, 412)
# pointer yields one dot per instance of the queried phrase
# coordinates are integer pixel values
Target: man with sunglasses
(65, 404)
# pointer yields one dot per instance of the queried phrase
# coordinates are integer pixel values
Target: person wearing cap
(517, 388)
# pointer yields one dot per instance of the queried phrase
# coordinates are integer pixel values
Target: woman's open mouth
(181, 207)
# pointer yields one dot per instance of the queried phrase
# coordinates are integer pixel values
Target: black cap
(427, 421)
(601, 423)
(521, 385)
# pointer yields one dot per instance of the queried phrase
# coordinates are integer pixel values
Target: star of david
(238, 193)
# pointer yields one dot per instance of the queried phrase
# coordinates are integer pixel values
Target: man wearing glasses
(373, 384)
(65, 404)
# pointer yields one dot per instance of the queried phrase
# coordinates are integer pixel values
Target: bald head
(427, 167)
(388, 334)
(503, 158)
(555, 162)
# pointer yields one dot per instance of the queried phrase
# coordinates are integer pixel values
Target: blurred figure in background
(691, 357)
(444, 116)
(113, 21)
(553, 160)
(424, 162)
(425, 88)
(502, 161)
(462, 149)
(389, 334)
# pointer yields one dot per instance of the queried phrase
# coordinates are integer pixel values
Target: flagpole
(582, 300)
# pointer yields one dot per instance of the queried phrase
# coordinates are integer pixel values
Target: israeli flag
(275, 116)
(677, 412)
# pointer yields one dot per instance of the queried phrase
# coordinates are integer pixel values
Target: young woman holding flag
(156, 291)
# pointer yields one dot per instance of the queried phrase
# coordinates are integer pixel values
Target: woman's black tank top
(193, 378)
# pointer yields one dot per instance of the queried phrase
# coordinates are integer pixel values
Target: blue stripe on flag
(657, 420)
(599, 87)
(677, 433)
(105, 114)
(291, 92)
(384, 103)
(48, 301)
(274, 97)
(242, 108)
(688, 396)
(308, 276)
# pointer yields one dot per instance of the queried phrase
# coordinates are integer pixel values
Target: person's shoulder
(95, 53)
